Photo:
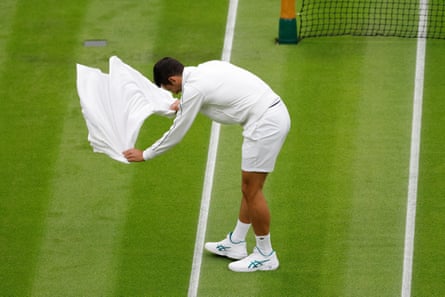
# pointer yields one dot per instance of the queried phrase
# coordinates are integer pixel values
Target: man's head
(167, 73)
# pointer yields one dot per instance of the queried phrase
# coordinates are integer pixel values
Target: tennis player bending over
(230, 95)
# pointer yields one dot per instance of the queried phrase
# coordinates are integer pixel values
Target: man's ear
(173, 79)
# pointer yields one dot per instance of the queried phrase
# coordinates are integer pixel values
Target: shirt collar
(186, 74)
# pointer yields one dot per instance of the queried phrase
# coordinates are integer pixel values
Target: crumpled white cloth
(115, 105)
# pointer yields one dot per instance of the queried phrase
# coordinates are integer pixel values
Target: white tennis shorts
(263, 139)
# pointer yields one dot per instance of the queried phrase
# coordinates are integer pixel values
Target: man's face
(175, 85)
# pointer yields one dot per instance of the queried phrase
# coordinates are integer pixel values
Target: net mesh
(372, 18)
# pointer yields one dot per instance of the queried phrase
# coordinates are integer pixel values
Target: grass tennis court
(75, 223)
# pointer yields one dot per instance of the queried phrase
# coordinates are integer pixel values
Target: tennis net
(408, 18)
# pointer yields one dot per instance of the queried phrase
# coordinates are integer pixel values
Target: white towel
(115, 106)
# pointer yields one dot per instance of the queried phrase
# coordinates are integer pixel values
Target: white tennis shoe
(228, 248)
(256, 261)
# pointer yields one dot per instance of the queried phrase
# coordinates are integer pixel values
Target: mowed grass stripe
(87, 212)
(84, 221)
(429, 254)
(379, 175)
(33, 82)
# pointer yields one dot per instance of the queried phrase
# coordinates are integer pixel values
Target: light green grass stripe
(84, 222)
(80, 250)
(84, 219)
(381, 133)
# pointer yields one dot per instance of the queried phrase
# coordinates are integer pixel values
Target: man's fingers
(133, 155)
(129, 154)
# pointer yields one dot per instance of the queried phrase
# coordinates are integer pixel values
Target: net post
(287, 29)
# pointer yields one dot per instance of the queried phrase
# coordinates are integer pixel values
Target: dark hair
(165, 68)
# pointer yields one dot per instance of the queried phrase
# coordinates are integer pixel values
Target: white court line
(414, 154)
(210, 167)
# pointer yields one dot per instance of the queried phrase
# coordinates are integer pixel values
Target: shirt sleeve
(189, 107)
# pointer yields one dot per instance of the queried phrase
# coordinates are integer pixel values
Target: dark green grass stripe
(191, 31)
(159, 235)
(34, 78)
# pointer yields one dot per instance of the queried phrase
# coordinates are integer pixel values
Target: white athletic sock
(263, 244)
(240, 232)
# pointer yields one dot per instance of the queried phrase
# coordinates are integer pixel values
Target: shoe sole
(269, 265)
(254, 270)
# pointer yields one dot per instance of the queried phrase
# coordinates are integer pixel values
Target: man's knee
(249, 191)
(252, 183)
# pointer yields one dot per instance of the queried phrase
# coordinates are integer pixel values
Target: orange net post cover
(287, 9)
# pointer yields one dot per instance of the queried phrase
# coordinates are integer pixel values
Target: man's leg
(254, 208)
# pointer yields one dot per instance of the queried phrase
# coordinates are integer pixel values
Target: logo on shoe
(256, 264)
(222, 248)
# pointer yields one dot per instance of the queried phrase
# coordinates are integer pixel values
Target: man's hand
(175, 105)
(134, 155)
